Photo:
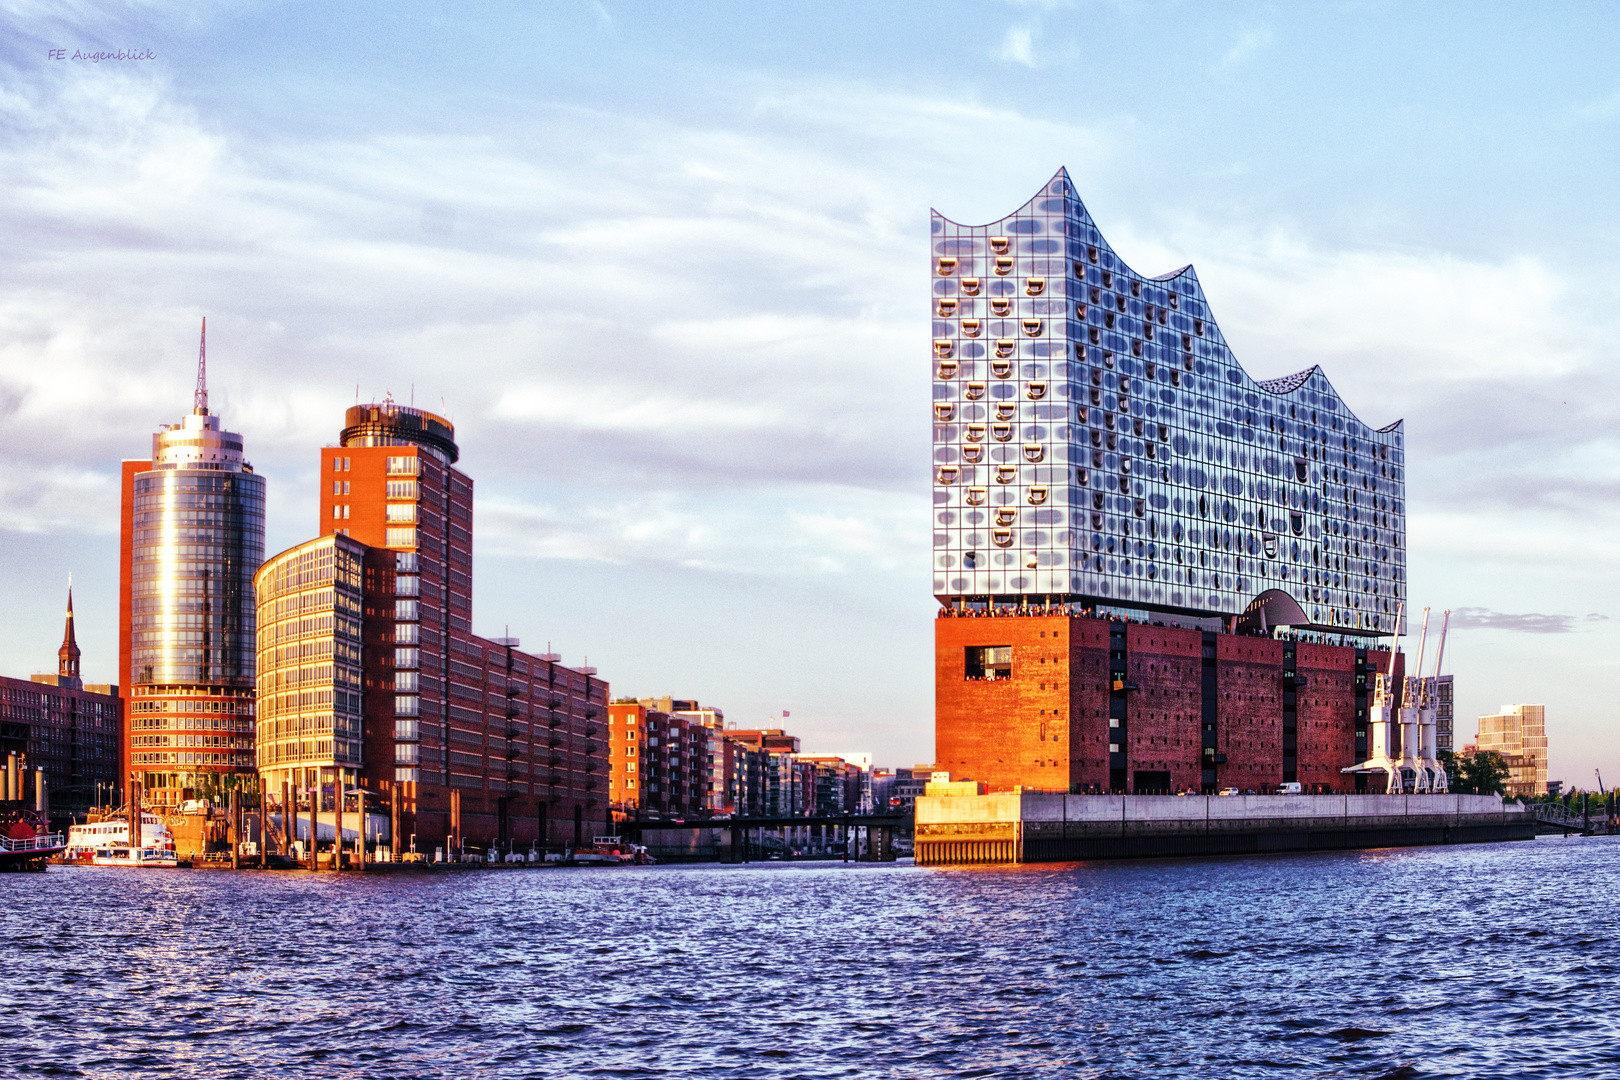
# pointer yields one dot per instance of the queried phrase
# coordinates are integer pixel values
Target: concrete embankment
(1048, 827)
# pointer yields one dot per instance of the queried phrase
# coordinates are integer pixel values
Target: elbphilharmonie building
(1096, 442)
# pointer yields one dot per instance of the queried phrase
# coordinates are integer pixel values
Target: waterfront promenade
(1411, 962)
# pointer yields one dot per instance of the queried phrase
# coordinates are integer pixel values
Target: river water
(1475, 961)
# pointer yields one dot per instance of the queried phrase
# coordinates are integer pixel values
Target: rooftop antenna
(200, 402)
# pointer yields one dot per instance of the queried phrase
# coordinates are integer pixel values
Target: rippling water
(1478, 961)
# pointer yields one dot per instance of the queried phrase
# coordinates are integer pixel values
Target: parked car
(194, 806)
(1290, 789)
(1229, 791)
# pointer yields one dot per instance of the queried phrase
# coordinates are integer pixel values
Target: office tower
(370, 675)
(1519, 734)
(192, 537)
(1096, 442)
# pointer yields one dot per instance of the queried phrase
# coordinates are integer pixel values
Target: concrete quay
(1032, 827)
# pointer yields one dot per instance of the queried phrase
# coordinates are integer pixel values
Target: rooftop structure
(1097, 443)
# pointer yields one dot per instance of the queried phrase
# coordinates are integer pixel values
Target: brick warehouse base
(1070, 703)
(1039, 827)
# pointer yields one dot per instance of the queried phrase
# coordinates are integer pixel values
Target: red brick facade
(1052, 722)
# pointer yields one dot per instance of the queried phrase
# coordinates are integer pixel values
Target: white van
(1290, 789)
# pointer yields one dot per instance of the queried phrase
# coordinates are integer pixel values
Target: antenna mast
(200, 403)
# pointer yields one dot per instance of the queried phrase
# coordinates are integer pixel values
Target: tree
(1483, 772)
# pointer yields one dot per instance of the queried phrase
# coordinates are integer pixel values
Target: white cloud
(1018, 47)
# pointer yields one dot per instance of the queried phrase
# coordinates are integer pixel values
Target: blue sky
(665, 267)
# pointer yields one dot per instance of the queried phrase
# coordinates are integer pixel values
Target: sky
(666, 268)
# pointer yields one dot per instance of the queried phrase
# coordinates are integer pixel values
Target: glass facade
(197, 536)
(1096, 442)
(311, 606)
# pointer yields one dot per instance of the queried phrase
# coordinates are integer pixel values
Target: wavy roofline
(1187, 271)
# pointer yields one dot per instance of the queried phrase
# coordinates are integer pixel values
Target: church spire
(68, 654)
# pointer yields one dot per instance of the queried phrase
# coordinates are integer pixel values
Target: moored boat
(83, 841)
(26, 842)
(150, 858)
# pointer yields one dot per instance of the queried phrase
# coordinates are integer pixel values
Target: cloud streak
(1478, 618)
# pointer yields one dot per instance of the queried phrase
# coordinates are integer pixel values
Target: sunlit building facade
(1096, 442)
(370, 676)
(192, 537)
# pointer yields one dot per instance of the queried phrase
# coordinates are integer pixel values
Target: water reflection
(1473, 961)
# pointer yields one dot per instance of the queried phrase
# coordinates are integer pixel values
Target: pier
(1047, 827)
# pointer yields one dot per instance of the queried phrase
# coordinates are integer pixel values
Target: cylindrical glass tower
(198, 537)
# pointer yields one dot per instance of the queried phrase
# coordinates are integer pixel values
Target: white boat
(85, 840)
(152, 858)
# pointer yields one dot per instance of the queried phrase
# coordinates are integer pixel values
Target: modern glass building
(193, 535)
(311, 609)
(1097, 443)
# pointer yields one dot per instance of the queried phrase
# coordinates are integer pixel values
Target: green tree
(1448, 762)
(1481, 773)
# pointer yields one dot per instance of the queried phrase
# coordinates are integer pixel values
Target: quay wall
(1053, 827)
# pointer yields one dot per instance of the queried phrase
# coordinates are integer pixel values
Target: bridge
(1556, 816)
(748, 833)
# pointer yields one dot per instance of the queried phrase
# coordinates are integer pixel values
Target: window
(973, 391)
(406, 658)
(407, 705)
(1036, 390)
(1002, 432)
(346, 511)
(400, 538)
(400, 489)
(947, 474)
(946, 266)
(1005, 347)
(405, 680)
(944, 411)
(1034, 453)
(944, 348)
(988, 662)
(947, 369)
(406, 774)
(975, 496)
(1002, 537)
(1035, 286)
(972, 453)
(337, 487)
(337, 513)
(945, 308)
(407, 585)
(407, 753)
(999, 245)
(405, 609)
(1000, 306)
(1032, 327)
(406, 634)
(1006, 410)
(970, 286)
(1004, 265)
(402, 466)
(970, 327)
(406, 729)
(1037, 494)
